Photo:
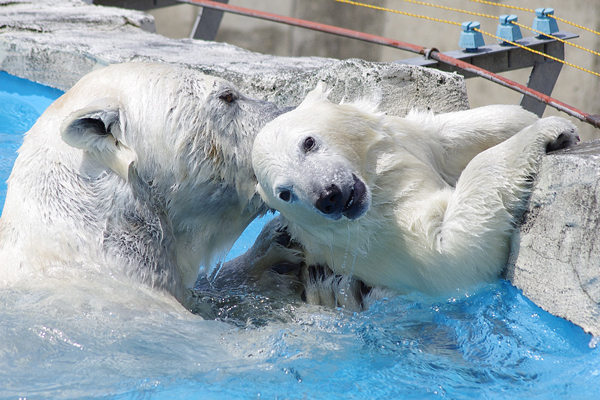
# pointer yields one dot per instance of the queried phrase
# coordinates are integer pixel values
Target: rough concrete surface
(57, 41)
(556, 252)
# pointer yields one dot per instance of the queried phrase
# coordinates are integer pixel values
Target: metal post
(499, 58)
(543, 77)
(207, 23)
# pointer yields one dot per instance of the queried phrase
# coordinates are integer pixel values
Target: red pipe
(593, 120)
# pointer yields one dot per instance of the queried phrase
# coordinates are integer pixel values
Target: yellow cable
(495, 17)
(539, 53)
(516, 23)
(573, 24)
(503, 5)
(530, 10)
(355, 3)
(555, 38)
(422, 3)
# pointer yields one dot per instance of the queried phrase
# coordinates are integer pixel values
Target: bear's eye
(309, 144)
(227, 97)
(285, 195)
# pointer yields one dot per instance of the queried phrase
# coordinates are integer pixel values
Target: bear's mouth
(357, 203)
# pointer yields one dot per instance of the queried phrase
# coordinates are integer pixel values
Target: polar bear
(423, 203)
(140, 169)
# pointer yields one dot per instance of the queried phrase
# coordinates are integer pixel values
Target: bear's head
(184, 126)
(311, 163)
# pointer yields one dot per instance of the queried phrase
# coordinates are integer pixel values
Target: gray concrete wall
(574, 87)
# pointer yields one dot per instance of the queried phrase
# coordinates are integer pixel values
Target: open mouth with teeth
(357, 203)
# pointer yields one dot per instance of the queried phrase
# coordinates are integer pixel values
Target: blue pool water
(487, 343)
(21, 103)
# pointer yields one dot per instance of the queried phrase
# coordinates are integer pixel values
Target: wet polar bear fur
(141, 170)
(422, 203)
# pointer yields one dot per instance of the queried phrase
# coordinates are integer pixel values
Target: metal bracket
(135, 4)
(207, 23)
(500, 58)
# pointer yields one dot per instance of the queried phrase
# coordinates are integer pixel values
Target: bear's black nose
(330, 201)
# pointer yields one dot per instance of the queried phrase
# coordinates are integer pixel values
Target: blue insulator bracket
(470, 40)
(543, 23)
(507, 31)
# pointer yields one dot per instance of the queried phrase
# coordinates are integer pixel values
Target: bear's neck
(205, 230)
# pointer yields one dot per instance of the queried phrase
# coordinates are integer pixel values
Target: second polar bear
(140, 169)
(422, 203)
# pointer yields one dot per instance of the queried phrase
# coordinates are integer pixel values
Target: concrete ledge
(556, 253)
(55, 42)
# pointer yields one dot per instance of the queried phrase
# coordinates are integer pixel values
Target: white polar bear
(423, 203)
(141, 169)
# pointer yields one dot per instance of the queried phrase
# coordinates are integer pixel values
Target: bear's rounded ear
(319, 93)
(97, 129)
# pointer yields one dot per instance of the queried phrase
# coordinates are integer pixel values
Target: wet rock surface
(556, 252)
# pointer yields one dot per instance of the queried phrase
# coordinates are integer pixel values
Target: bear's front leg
(491, 193)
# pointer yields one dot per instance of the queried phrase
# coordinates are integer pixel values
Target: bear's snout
(351, 201)
(331, 202)
(358, 200)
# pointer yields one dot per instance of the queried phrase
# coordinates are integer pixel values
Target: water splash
(346, 281)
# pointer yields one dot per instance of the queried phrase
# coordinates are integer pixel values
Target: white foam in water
(102, 336)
